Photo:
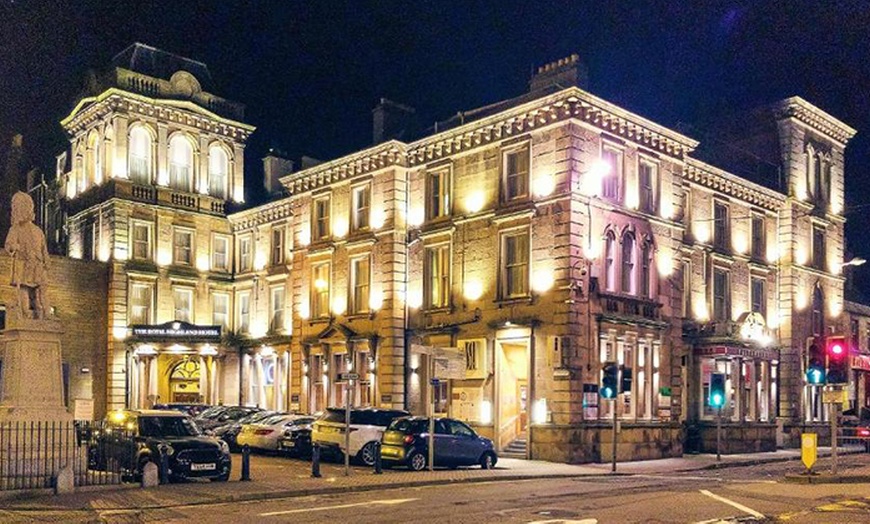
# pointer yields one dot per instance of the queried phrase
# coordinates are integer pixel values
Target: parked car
(228, 432)
(210, 419)
(193, 410)
(134, 438)
(367, 425)
(296, 440)
(264, 435)
(406, 442)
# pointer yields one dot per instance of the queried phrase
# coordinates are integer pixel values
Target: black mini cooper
(130, 439)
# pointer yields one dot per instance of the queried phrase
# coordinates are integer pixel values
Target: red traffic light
(836, 346)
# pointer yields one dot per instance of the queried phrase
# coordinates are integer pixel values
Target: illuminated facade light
(835, 308)
(665, 263)
(208, 351)
(473, 289)
(699, 309)
(339, 305)
(801, 254)
(339, 228)
(259, 261)
(376, 301)
(164, 257)
(592, 249)
(701, 231)
(474, 201)
(202, 262)
(145, 350)
(304, 310)
(267, 351)
(740, 243)
(544, 185)
(119, 332)
(415, 298)
(415, 216)
(305, 236)
(539, 411)
(378, 218)
(542, 280)
(486, 412)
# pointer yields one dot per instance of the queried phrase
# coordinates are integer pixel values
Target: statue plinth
(32, 376)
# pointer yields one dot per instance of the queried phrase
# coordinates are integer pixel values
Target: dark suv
(132, 438)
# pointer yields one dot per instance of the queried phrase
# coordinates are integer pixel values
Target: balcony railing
(631, 306)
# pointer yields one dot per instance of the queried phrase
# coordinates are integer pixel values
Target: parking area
(272, 465)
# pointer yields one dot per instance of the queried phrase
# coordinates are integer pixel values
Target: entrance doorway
(512, 376)
(184, 382)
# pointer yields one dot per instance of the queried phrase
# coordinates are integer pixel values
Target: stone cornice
(721, 181)
(566, 104)
(178, 111)
(801, 110)
(264, 214)
(388, 154)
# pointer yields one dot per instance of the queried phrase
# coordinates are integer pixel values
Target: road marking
(391, 502)
(733, 504)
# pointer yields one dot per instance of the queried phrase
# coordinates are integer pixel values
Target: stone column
(162, 156)
(152, 380)
(204, 390)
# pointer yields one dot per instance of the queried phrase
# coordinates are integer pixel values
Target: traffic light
(717, 390)
(625, 380)
(838, 360)
(609, 381)
(815, 364)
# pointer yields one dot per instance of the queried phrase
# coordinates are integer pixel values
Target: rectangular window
(183, 304)
(687, 288)
(360, 280)
(320, 219)
(141, 238)
(721, 295)
(436, 271)
(362, 201)
(278, 246)
(320, 290)
(854, 329)
(647, 182)
(627, 275)
(220, 304)
(610, 181)
(758, 236)
(276, 316)
(141, 304)
(437, 194)
(515, 264)
(759, 298)
(182, 252)
(246, 255)
(475, 358)
(516, 174)
(721, 226)
(243, 322)
(819, 250)
(220, 257)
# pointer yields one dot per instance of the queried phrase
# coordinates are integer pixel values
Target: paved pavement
(279, 477)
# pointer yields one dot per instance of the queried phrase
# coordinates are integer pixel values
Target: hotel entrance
(512, 386)
(184, 382)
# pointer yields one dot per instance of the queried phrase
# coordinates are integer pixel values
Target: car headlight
(224, 447)
(169, 450)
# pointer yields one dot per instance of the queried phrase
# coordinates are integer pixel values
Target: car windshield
(363, 417)
(256, 417)
(212, 412)
(167, 427)
(274, 419)
(409, 426)
(299, 421)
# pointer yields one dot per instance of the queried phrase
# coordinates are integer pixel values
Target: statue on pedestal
(26, 243)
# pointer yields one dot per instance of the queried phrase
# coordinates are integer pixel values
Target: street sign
(809, 443)
(834, 396)
(435, 381)
(344, 377)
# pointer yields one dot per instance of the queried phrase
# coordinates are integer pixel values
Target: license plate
(203, 467)
(288, 444)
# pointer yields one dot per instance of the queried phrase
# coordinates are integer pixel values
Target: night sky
(310, 72)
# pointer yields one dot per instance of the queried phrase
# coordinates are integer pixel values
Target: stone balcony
(629, 307)
(147, 194)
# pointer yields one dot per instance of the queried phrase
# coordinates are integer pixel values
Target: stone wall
(593, 442)
(738, 438)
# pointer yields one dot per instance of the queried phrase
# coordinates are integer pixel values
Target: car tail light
(863, 432)
(408, 439)
(263, 432)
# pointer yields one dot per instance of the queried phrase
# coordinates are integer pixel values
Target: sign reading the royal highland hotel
(180, 330)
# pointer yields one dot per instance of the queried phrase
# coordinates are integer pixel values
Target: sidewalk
(271, 480)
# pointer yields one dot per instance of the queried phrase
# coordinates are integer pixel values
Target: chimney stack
(391, 120)
(563, 73)
(275, 166)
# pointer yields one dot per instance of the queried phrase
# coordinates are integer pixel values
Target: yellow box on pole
(809, 445)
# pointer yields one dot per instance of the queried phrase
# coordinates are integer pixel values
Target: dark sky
(310, 72)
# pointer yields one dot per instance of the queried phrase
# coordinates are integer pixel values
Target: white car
(366, 429)
(264, 435)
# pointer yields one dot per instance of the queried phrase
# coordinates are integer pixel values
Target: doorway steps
(516, 449)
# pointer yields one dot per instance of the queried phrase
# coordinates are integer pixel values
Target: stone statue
(26, 243)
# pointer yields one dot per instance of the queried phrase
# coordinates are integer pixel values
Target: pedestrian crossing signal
(610, 380)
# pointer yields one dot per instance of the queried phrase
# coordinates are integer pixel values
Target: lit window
(221, 310)
(516, 174)
(438, 194)
(759, 300)
(140, 156)
(721, 295)
(647, 185)
(141, 237)
(320, 283)
(611, 180)
(436, 271)
(721, 226)
(758, 243)
(819, 252)
(182, 253)
(183, 302)
(218, 169)
(360, 279)
(610, 262)
(515, 264)
(180, 163)
(244, 311)
(627, 273)
(645, 272)
(278, 251)
(362, 197)
(220, 254)
(320, 219)
(141, 303)
(276, 318)
(246, 256)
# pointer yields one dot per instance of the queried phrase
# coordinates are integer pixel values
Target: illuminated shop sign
(178, 330)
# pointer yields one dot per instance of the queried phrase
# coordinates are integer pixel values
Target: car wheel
(368, 454)
(488, 460)
(223, 478)
(417, 461)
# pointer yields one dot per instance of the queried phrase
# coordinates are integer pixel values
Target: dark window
(610, 263)
(720, 226)
(437, 194)
(515, 264)
(278, 246)
(627, 264)
(321, 219)
(2, 318)
(610, 183)
(853, 325)
(436, 271)
(758, 237)
(819, 248)
(721, 293)
(818, 312)
(645, 259)
(516, 174)
(759, 300)
(646, 185)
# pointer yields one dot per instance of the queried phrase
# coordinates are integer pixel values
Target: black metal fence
(32, 453)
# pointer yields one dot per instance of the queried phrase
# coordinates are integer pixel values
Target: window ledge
(514, 301)
(437, 310)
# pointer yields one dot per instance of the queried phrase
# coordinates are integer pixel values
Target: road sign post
(348, 379)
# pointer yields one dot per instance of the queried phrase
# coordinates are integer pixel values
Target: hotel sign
(178, 330)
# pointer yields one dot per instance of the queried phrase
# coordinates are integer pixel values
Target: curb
(826, 478)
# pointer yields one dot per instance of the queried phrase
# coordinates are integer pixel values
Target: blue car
(406, 443)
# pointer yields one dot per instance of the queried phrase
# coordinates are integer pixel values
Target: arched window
(140, 156)
(610, 262)
(645, 265)
(627, 275)
(818, 320)
(218, 169)
(94, 160)
(180, 163)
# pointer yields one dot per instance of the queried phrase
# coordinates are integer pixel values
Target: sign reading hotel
(178, 330)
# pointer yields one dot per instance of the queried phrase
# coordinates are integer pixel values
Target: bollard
(315, 461)
(246, 463)
(378, 466)
(164, 464)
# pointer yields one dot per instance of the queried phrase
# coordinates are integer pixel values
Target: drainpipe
(531, 389)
